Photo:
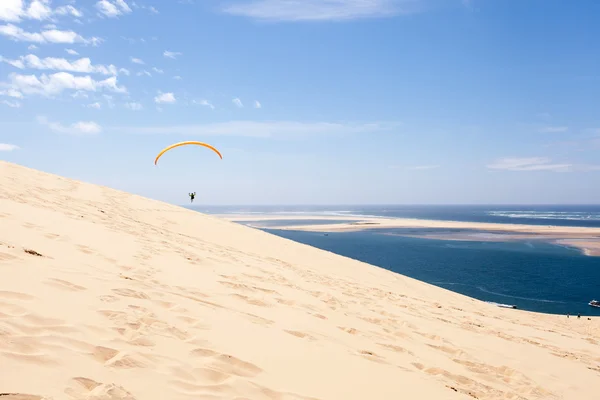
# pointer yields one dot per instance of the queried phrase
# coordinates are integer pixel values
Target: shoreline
(586, 239)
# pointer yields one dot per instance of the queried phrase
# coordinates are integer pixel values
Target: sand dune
(108, 295)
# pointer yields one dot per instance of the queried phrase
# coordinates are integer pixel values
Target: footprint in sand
(84, 388)
(397, 349)
(300, 335)
(85, 249)
(226, 363)
(252, 301)
(369, 355)
(108, 298)
(65, 285)
(131, 293)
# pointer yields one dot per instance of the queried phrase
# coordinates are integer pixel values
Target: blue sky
(312, 102)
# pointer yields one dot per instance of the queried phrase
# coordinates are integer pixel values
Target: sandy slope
(121, 297)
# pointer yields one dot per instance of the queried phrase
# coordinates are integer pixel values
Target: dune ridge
(108, 295)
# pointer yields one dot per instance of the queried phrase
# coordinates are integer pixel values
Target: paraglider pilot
(192, 195)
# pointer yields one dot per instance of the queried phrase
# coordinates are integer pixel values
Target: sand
(108, 295)
(584, 238)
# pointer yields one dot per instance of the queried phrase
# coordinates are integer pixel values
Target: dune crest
(108, 295)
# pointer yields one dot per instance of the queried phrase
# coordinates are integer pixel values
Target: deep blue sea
(533, 275)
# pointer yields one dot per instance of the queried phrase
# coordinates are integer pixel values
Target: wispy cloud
(11, 103)
(529, 164)
(320, 10)
(165, 98)
(82, 65)
(72, 52)
(257, 104)
(205, 103)
(46, 36)
(423, 167)
(171, 54)
(238, 102)
(8, 147)
(77, 128)
(271, 129)
(157, 70)
(95, 105)
(113, 9)
(553, 129)
(133, 106)
(49, 85)
(11, 93)
(144, 72)
(137, 60)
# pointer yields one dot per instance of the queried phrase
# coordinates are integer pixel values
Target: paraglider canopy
(183, 144)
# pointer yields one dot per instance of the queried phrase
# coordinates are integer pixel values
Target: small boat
(594, 303)
(502, 305)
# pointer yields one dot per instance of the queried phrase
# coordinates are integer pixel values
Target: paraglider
(163, 151)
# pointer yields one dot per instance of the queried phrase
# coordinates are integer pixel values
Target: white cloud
(113, 9)
(205, 103)
(144, 72)
(50, 85)
(554, 129)
(137, 61)
(153, 10)
(68, 10)
(39, 9)
(177, 78)
(95, 105)
(32, 47)
(165, 98)
(528, 164)
(133, 106)
(319, 10)
(171, 54)
(8, 147)
(238, 102)
(77, 128)
(157, 70)
(257, 104)
(11, 103)
(15, 10)
(46, 36)
(286, 129)
(82, 65)
(11, 93)
(72, 52)
(11, 10)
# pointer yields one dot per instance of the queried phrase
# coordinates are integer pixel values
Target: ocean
(533, 275)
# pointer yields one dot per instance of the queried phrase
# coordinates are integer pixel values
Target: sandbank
(585, 238)
(109, 295)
